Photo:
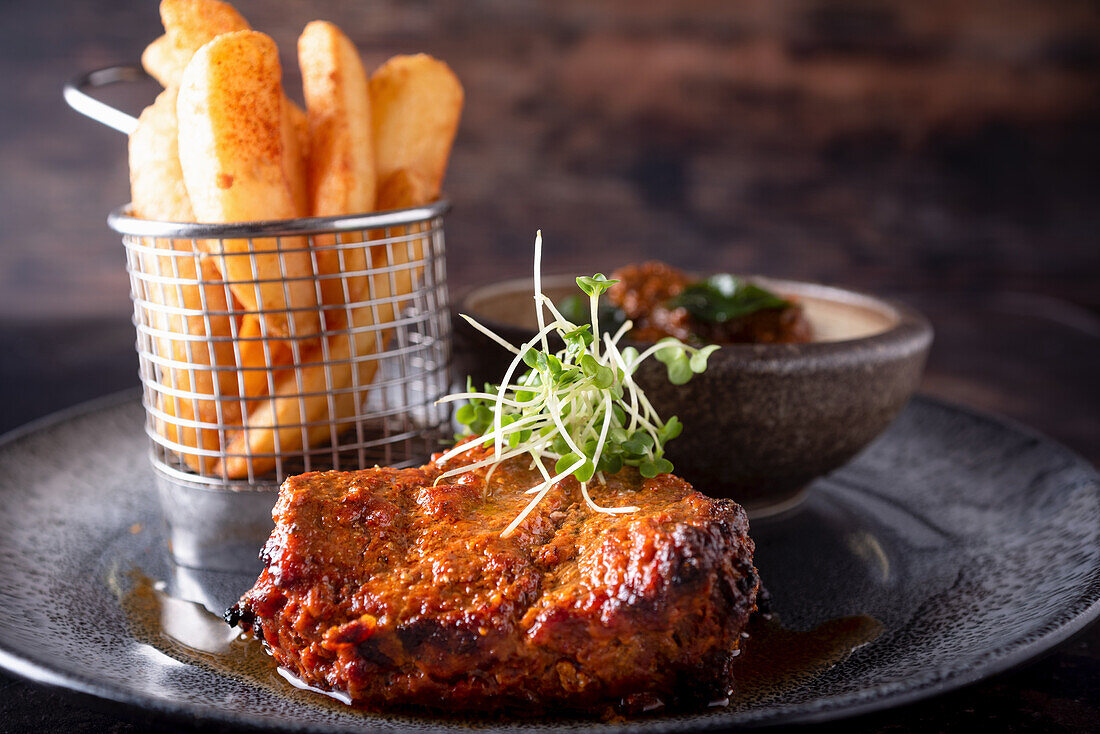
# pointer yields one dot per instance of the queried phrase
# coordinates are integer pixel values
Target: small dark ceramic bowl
(764, 419)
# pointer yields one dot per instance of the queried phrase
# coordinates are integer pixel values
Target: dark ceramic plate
(955, 547)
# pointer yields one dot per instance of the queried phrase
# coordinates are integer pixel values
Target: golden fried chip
(188, 26)
(341, 165)
(175, 283)
(231, 147)
(416, 103)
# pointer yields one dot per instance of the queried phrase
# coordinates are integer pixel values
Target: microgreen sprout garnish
(579, 406)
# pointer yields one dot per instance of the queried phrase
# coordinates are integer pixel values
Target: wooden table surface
(941, 153)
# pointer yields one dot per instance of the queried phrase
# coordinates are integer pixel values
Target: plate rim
(841, 706)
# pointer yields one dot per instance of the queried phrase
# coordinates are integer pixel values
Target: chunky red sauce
(643, 294)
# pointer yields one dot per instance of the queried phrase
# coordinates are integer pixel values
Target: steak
(402, 593)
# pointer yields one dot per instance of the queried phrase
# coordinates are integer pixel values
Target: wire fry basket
(268, 349)
(237, 397)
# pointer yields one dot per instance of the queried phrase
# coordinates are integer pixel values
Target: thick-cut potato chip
(400, 190)
(341, 164)
(157, 190)
(416, 103)
(342, 177)
(191, 24)
(296, 155)
(231, 147)
(404, 188)
(188, 26)
(163, 62)
(255, 355)
(177, 283)
(313, 402)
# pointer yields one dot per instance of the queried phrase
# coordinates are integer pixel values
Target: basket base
(212, 528)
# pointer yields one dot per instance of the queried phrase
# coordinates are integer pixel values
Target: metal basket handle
(102, 112)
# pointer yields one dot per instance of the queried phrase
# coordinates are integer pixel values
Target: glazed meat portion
(401, 592)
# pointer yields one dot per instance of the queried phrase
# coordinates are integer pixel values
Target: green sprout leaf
(466, 414)
(566, 461)
(670, 430)
(586, 471)
(669, 350)
(611, 463)
(595, 285)
(698, 360)
(679, 371)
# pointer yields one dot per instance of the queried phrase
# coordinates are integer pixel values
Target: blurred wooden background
(944, 153)
(933, 145)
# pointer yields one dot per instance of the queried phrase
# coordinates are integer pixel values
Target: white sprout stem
(549, 304)
(628, 382)
(587, 499)
(517, 425)
(465, 468)
(606, 424)
(638, 395)
(499, 410)
(543, 489)
(538, 288)
(646, 413)
(627, 326)
(653, 350)
(638, 399)
(542, 467)
(484, 462)
(478, 465)
(489, 333)
(643, 419)
(552, 404)
(514, 427)
(584, 432)
(478, 396)
(487, 395)
(593, 302)
(606, 510)
(599, 448)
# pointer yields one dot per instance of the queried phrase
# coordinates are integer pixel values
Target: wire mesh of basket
(259, 360)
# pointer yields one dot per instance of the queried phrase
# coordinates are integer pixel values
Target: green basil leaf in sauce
(722, 297)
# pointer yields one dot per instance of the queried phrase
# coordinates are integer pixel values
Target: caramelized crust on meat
(401, 593)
